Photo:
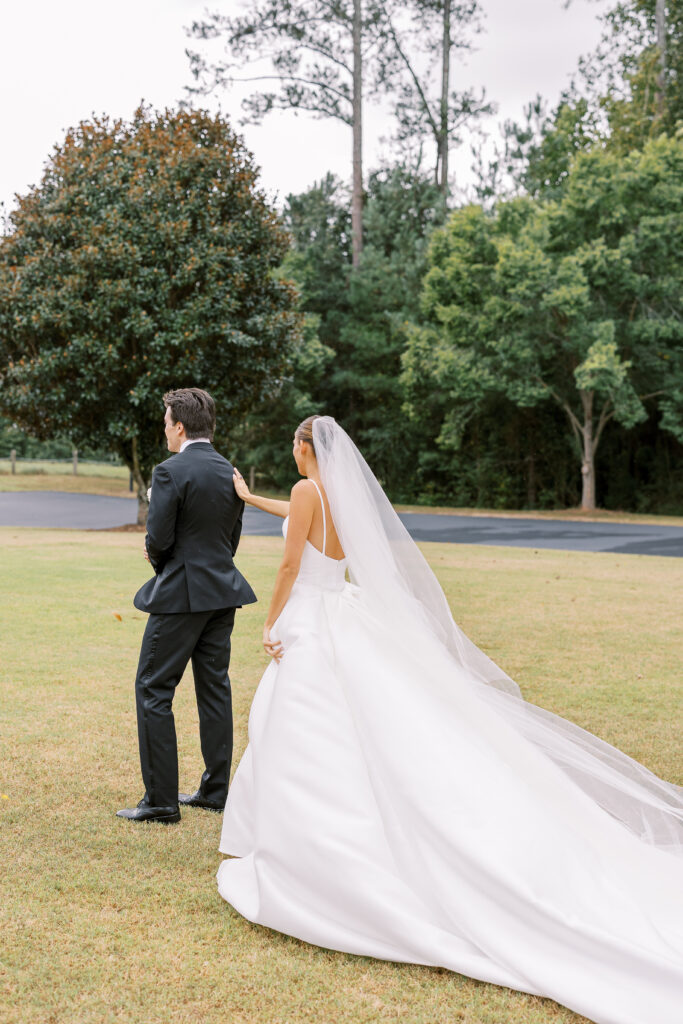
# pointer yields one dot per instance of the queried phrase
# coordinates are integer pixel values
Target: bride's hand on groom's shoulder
(243, 491)
(273, 648)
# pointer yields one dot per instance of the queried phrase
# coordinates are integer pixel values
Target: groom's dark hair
(193, 408)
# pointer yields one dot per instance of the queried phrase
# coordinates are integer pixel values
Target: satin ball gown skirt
(378, 812)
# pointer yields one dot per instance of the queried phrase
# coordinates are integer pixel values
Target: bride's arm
(272, 505)
(301, 508)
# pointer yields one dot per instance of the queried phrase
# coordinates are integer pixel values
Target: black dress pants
(168, 644)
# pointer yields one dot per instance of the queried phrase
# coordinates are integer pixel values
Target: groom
(193, 528)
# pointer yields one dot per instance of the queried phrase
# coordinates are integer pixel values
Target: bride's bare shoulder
(303, 491)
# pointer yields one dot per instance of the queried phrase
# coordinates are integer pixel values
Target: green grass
(107, 922)
(92, 478)
(36, 467)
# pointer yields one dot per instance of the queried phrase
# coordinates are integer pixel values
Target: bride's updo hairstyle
(304, 432)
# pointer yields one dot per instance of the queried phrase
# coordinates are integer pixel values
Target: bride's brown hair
(304, 432)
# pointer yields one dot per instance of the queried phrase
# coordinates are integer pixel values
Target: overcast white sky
(62, 61)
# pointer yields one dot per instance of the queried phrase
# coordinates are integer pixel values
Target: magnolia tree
(144, 260)
(576, 302)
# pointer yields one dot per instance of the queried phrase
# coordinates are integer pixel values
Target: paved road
(93, 512)
(568, 535)
(71, 511)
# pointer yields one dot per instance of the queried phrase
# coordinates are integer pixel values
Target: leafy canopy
(142, 261)
(576, 301)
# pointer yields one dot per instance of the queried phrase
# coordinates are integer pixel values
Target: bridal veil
(397, 585)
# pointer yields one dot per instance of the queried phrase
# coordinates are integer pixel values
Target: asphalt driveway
(93, 512)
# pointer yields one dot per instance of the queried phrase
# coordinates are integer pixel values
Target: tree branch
(328, 56)
(573, 419)
(271, 54)
(294, 78)
(605, 417)
(420, 91)
(283, 105)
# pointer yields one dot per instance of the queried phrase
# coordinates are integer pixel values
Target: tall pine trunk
(442, 155)
(660, 23)
(357, 194)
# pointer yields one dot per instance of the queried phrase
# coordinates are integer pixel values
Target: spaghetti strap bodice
(322, 505)
(318, 569)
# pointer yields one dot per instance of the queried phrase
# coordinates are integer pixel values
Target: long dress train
(378, 813)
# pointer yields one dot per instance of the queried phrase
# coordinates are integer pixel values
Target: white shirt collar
(195, 440)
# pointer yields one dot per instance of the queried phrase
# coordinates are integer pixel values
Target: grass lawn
(103, 921)
(92, 478)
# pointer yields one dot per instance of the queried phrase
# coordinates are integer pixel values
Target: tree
(629, 90)
(144, 260)
(348, 364)
(662, 46)
(535, 155)
(263, 439)
(319, 260)
(317, 52)
(362, 311)
(576, 302)
(27, 447)
(634, 77)
(422, 39)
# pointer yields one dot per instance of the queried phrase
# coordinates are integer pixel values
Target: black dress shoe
(145, 812)
(197, 800)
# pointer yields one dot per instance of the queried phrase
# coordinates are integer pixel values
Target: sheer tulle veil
(400, 590)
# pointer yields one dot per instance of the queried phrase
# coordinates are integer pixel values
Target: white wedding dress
(394, 803)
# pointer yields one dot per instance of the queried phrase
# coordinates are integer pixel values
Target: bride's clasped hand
(399, 799)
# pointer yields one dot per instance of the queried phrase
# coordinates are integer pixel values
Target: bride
(399, 799)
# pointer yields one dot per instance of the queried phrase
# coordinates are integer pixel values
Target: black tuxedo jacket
(193, 529)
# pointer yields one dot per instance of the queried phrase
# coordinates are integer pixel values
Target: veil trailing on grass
(401, 592)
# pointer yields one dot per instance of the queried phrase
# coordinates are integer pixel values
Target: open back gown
(372, 814)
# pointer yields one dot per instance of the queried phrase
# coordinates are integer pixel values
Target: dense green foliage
(349, 362)
(58, 448)
(526, 352)
(144, 260)
(576, 302)
(627, 92)
(636, 76)
(27, 447)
